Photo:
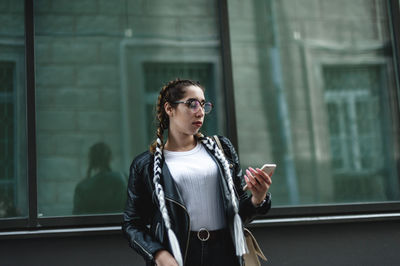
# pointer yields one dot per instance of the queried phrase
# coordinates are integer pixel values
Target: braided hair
(170, 93)
(240, 243)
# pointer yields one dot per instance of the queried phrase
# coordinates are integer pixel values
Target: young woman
(186, 203)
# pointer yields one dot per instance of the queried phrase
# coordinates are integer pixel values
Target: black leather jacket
(143, 224)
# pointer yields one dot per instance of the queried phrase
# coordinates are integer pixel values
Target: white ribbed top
(196, 175)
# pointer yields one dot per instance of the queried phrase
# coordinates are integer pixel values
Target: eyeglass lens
(195, 105)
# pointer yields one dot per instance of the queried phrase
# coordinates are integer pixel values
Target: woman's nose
(200, 112)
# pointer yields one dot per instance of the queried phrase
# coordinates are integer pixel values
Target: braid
(171, 92)
(162, 118)
(163, 208)
(240, 244)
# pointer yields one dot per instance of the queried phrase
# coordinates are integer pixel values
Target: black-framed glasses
(195, 105)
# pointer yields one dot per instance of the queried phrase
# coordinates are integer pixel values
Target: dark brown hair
(173, 91)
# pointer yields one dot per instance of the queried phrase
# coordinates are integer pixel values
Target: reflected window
(8, 180)
(320, 79)
(354, 110)
(13, 137)
(353, 97)
(13, 192)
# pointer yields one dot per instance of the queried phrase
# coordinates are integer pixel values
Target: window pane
(13, 172)
(99, 67)
(313, 88)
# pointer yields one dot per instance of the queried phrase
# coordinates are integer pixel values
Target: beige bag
(251, 258)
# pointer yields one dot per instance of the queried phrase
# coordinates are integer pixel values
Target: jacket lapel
(170, 188)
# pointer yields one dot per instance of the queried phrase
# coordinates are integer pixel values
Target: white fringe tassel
(240, 242)
(173, 241)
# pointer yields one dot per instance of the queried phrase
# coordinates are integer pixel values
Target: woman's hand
(164, 258)
(258, 182)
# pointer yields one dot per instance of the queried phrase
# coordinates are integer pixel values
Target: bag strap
(249, 236)
(215, 137)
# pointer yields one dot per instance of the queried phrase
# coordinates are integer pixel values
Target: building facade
(311, 85)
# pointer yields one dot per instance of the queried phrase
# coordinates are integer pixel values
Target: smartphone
(268, 168)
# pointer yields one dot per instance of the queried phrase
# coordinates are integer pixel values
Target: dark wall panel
(369, 243)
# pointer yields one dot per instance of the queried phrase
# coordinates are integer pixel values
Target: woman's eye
(193, 104)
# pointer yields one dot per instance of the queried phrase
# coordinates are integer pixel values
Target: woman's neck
(180, 143)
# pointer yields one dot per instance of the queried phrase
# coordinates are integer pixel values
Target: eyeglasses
(195, 105)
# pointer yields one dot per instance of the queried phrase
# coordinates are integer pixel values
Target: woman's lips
(197, 123)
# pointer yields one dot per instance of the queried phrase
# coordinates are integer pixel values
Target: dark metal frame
(31, 112)
(394, 11)
(32, 222)
(229, 99)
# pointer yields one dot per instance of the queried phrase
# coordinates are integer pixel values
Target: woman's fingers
(257, 179)
(266, 177)
(250, 181)
(251, 178)
(262, 179)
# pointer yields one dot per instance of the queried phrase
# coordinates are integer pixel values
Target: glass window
(314, 84)
(99, 67)
(13, 172)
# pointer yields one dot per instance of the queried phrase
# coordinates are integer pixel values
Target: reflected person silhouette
(102, 191)
(7, 207)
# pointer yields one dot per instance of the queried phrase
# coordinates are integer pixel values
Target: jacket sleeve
(138, 211)
(247, 210)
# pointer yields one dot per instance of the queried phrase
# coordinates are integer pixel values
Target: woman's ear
(168, 109)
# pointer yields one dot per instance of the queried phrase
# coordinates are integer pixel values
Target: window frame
(32, 222)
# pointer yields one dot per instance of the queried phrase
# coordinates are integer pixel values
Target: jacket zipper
(188, 231)
(158, 225)
(151, 256)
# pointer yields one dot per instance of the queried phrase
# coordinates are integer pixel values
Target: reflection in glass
(99, 67)
(356, 93)
(13, 172)
(319, 76)
(103, 190)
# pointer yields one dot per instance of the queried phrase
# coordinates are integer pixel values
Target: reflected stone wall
(280, 50)
(78, 81)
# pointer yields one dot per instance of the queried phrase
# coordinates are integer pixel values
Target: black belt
(206, 235)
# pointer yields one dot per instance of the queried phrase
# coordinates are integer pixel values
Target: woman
(188, 191)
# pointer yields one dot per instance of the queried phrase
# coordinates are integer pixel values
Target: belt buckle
(203, 234)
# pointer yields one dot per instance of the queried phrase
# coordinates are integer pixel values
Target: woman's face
(182, 119)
